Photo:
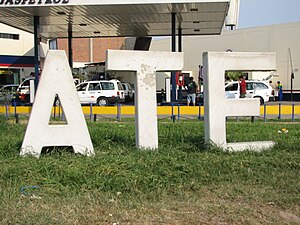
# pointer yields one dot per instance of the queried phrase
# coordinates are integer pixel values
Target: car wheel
(102, 101)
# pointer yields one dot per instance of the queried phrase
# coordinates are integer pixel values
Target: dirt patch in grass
(289, 217)
(205, 206)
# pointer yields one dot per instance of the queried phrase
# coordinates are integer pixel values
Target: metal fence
(175, 112)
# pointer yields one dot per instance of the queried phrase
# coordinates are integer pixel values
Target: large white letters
(145, 64)
(56, 79)
(217, 107)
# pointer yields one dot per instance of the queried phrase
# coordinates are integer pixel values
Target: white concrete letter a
(56, 79)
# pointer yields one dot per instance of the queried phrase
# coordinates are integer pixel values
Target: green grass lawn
(183, 182)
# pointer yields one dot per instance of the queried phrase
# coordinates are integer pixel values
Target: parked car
(102, 92)
(23, 91)
(7, 93)
(254, 89)
(128, 91)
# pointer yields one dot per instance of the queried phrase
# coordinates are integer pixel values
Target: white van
(254, 89)
(129, 91)
(102, 92)
(23, 91)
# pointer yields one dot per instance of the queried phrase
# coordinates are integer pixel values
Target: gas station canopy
(115, 18)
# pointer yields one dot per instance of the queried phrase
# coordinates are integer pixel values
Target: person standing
(191, 88)
(273, 90)
(180, 84)
(242, 84)
(279, 90)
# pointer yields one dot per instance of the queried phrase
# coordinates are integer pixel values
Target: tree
(233, 75)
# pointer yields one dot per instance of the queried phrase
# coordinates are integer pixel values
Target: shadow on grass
(199, 142)
(187, 144)
(56, 150)
(11, 150)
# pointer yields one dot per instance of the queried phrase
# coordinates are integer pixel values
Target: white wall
(23, 46)
(276, 38)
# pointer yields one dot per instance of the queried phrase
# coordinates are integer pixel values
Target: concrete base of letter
(253, 146)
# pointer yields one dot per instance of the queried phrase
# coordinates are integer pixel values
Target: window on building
(10, 36)
(9, 76)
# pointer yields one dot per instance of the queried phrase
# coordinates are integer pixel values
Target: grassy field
(183, 182)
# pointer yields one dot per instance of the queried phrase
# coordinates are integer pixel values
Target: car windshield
(82, 87)
(232, 87)
(26, 83)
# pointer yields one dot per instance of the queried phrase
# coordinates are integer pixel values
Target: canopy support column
(70, 47)
(179, 39)
(36, 24)
(173, 74)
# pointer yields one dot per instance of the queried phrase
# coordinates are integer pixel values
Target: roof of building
(111, 18)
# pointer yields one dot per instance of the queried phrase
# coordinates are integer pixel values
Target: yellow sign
(5, 72)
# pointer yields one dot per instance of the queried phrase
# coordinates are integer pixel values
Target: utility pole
(292, 74)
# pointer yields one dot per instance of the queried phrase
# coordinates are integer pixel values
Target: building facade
(280, 39)
(16, 55)
(90, 50)
(17, 52)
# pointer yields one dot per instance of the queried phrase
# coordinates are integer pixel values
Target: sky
(254, 13)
